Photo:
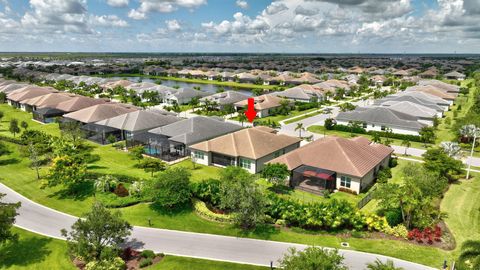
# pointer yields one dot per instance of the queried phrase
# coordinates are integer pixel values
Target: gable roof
(381, 116)
(186, 93)
(449, 88)
(431, 90)
(196, 129)
(355, 157)
(250, 143)
(100, 112)
(139, 120)
(424, 96)
(455, 74)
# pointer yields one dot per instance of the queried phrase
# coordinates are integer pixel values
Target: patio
(313, 180)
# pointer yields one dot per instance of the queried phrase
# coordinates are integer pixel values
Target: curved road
(46, 221)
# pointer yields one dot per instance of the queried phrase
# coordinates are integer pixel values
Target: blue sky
(304, 26)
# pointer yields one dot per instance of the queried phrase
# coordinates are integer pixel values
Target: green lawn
(462, 205)
(17, 175)
(323, 130)
(10, 113)
(34, 251)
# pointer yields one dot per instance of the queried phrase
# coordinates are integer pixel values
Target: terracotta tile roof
(29, 92)
(252, 143)
(355, 157)
(78, 103)
(48, 100)
(431, 90)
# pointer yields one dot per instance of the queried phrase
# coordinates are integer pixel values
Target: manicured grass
(215, 82)
(323, 130)
(17, 175)
(11, 113)
(462, 205)
(178, 263)
(34, 251)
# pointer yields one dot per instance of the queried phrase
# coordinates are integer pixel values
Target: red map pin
(250, 112)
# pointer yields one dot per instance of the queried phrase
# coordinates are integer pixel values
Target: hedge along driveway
(17, 175)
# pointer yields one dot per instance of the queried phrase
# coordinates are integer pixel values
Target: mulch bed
(131, 257)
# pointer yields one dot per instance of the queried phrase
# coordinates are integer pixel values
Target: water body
(209, 88)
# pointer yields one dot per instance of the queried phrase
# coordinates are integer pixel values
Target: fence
(367, 197)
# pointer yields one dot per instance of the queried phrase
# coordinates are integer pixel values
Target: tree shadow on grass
(264, 231)
(78, 192)
(9, 161)
(180, 210)
(281, 189)
(27, 251)
(96, 167)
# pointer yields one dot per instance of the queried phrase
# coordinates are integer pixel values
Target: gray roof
(450, 88)
(390, 100)
(187, 93)
(12, 87)
(228, 97)
(382, 116)
(413, 109)
(425, 96)
(298, 93)
(455, 74)
(197, 129)
(139, 120)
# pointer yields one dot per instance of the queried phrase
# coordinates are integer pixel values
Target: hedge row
(202, 210)
(359, 130)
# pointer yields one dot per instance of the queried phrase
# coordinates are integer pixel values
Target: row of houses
(327, 164)
(405, 112)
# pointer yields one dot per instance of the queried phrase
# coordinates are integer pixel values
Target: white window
(345, 181)
(245, 163)
(199, 155)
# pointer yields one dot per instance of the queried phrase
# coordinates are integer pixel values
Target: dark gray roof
(194, 130)
(187, 93)
(139, 120)
(382, 116)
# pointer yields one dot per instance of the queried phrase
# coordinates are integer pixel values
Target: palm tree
(470, 255)
(300, 128)
(242, 117)
(406, 143)
(376, 137)
(379, 265)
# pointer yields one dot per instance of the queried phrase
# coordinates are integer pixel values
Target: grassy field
(215, 82)
(34, 251)
(323, 130)
(17, 175)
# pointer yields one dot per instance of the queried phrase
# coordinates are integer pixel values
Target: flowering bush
(202, 210)
(376, 223)
(428, 235)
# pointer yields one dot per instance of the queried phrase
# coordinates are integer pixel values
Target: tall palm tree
(470, 255)
(300, 128)
(242, 117)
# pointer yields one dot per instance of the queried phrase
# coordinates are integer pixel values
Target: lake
(209, 88)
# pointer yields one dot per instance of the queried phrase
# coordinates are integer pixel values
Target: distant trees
(8, 212)
(312, 258)
(98, 235)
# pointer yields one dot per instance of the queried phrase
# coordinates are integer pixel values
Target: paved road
(46, 221)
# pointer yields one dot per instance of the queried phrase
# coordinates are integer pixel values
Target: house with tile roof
(455, 75)
(333, 163)
(224, 98)
(302, 93)
(99, 112)
(264, 104)
(248, 148)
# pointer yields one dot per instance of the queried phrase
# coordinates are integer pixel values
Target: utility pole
(475, 133)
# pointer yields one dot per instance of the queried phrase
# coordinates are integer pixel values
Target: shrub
(121, 191)
(202, 210)
(171, 188)
(393, 162)
(398, 231)
(111, 200)
(383, 175)
(376, 223)
(360, 130)
(394, 217)
(347, 190)
(115, 264)
(148, 254)
(145, 262)
(207, 191)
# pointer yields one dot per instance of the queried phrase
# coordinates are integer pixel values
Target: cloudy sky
(312, 26)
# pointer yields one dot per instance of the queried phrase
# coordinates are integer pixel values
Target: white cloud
(108, 21)
(276, 7)
(173, 25)
(242, 4)
(162, 6)
(117, 3)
